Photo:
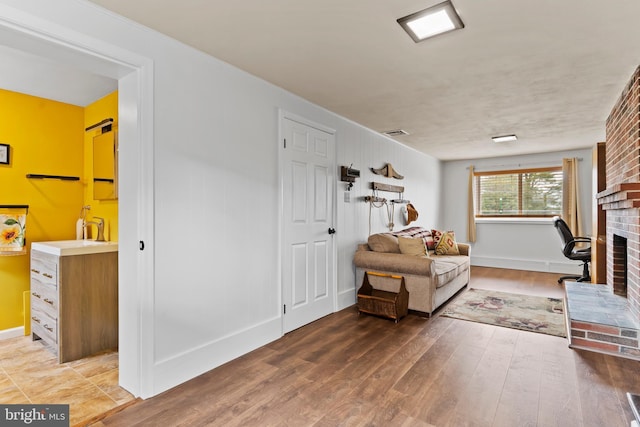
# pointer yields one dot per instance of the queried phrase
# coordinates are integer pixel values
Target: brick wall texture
(623, 167)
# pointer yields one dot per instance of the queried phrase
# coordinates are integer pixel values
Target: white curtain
(471, 214)
(571, 211)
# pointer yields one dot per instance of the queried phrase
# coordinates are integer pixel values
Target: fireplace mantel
(620, 196)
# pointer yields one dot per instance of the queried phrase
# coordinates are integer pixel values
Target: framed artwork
(4, 154)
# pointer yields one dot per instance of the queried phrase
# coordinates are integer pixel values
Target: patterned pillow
(447, 244)
(412, 246)
(437, 235)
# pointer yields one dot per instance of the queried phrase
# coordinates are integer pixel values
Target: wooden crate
(393, 305)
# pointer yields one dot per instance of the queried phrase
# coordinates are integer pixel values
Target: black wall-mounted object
(61, 177)
(105, 126)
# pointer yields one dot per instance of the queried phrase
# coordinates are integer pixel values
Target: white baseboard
(187, 365)
(12, 333)
(346, 299)
(528, 265)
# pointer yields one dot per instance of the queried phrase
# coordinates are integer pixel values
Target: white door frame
(282, 115)
(135, 83)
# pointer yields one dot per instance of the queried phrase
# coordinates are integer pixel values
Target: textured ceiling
(547, 70)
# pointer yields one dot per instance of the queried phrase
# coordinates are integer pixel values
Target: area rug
(525, 312)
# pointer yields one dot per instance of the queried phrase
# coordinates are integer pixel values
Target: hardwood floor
(350, 370)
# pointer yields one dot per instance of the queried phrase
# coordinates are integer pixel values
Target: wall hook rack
(386, 187)
(348, 174)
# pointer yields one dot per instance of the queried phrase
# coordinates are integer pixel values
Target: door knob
(332, 231)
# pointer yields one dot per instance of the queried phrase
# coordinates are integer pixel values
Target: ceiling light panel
(438, 19)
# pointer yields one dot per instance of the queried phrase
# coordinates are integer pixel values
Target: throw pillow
(411, 246)
(447, 244)
(383, 242)
(437, 235)
(418, 232)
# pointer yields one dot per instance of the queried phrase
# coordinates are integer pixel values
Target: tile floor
(29, 373)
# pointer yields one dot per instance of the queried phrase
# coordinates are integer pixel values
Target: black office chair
(569, 249)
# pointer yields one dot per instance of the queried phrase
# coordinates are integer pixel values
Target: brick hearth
(601, 321)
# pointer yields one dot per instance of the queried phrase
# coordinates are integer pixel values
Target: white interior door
(307, 271)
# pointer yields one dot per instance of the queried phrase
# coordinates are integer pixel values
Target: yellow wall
(46, 137)
(104, 108)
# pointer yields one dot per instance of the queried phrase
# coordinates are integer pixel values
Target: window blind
(527, 192)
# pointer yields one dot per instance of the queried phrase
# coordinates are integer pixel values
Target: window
(519, 193)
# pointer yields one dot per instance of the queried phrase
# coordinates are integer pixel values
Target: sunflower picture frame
(5, 152)
(12, 233)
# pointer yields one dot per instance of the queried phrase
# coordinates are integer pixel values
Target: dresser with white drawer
(74, 301)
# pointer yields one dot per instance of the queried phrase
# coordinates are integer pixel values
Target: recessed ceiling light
(432, 21)
(505, 138)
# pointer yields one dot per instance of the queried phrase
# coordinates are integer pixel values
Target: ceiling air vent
(395, 132)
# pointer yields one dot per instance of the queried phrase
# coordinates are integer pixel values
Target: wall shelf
(60, 177)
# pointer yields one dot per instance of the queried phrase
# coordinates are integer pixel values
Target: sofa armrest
(464, 248)
(397, 263)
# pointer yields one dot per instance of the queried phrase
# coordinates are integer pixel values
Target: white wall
(422, 184)
(216, 293)
(532, 245)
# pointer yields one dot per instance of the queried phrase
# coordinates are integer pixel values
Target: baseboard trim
(6, 334)
(180, 368)
(346, 299)
(527, 265)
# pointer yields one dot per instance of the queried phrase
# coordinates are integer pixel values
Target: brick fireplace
(621, 199)
(606, 317)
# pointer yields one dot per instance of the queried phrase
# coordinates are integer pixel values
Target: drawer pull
(36, 295)
(35, 271)
(48, 328)
(48, 301)
(35, 319)
(47, 275)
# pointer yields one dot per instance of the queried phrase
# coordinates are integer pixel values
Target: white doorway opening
(134, 74)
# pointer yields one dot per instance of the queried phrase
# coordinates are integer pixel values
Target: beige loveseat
(431, 280)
